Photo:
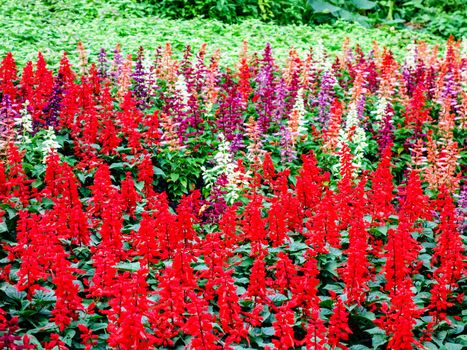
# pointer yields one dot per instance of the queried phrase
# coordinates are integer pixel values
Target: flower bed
(158, 203)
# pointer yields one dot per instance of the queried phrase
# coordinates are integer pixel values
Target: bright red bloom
(88, 339)
(8, 76)
(338, 329)
(283, 329)
(129, 195)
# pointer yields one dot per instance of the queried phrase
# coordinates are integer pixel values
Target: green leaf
(333, 287)
(327, 304)
(247, 262)
(42, 297)
(201, 267)
(375, 330)
(363, 4)
(97, 326)
(81, 177)
(241, 291)
(269, 331)
(117, 165)
(359, 347)
(429, 224)
(382, 229)
(127, 266)
(426, 258)
(323, 6)
(158, 171)
(298, 246)
(11, 213)
(3, 227)
(12, 293)
(278, 298)
(37, 183)
(378, 340)
(139, 185)
(453, 346)
(440, 337)
(457, 329)
(462, 339)
(47, 202)
(242, 280)
(68, 338)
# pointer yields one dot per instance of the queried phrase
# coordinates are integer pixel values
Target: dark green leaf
(127, 266)
(269, 331)
(363, 4)
(323, 6)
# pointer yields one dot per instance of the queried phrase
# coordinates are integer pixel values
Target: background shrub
(437, 17)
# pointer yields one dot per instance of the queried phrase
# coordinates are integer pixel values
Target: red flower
(55, 343)
(283, 329)
(199, 324)
(449, 255)
(400, 319)
(129, 195)
(338, 329)
(8, 76)
(382, 188)
(88, 339)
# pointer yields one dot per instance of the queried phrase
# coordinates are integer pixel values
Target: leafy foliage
(56, 26)
(438, 17)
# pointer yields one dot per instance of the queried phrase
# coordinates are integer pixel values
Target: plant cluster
(167, 203)
(437, 17)
(55, 26)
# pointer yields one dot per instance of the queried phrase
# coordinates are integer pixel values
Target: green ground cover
(52, 27)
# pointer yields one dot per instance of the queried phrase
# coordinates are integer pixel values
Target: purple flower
(407, 74)
(266, 90)
(286, 145)
(139, 77)
(117, 63)
(325, 97)
(216, 201)
(361, 107)
(52, 108)
(281, 105)
(462, 209)
(385, 135)
(229, 115)
(102, 64)
(8, 114)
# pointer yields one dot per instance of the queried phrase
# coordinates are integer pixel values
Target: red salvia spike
(8, 76)
(66, 72)
(382, 188)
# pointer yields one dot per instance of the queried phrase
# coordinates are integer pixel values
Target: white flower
(299, 109)
(411, 57)
(319, 55)
(50, 142)
(464, 47)
(182, 89)
(352, 117)
(358, 139)
(343, 138)
(381, 106)
(223, 157)
(25, 125)
(225, 164)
